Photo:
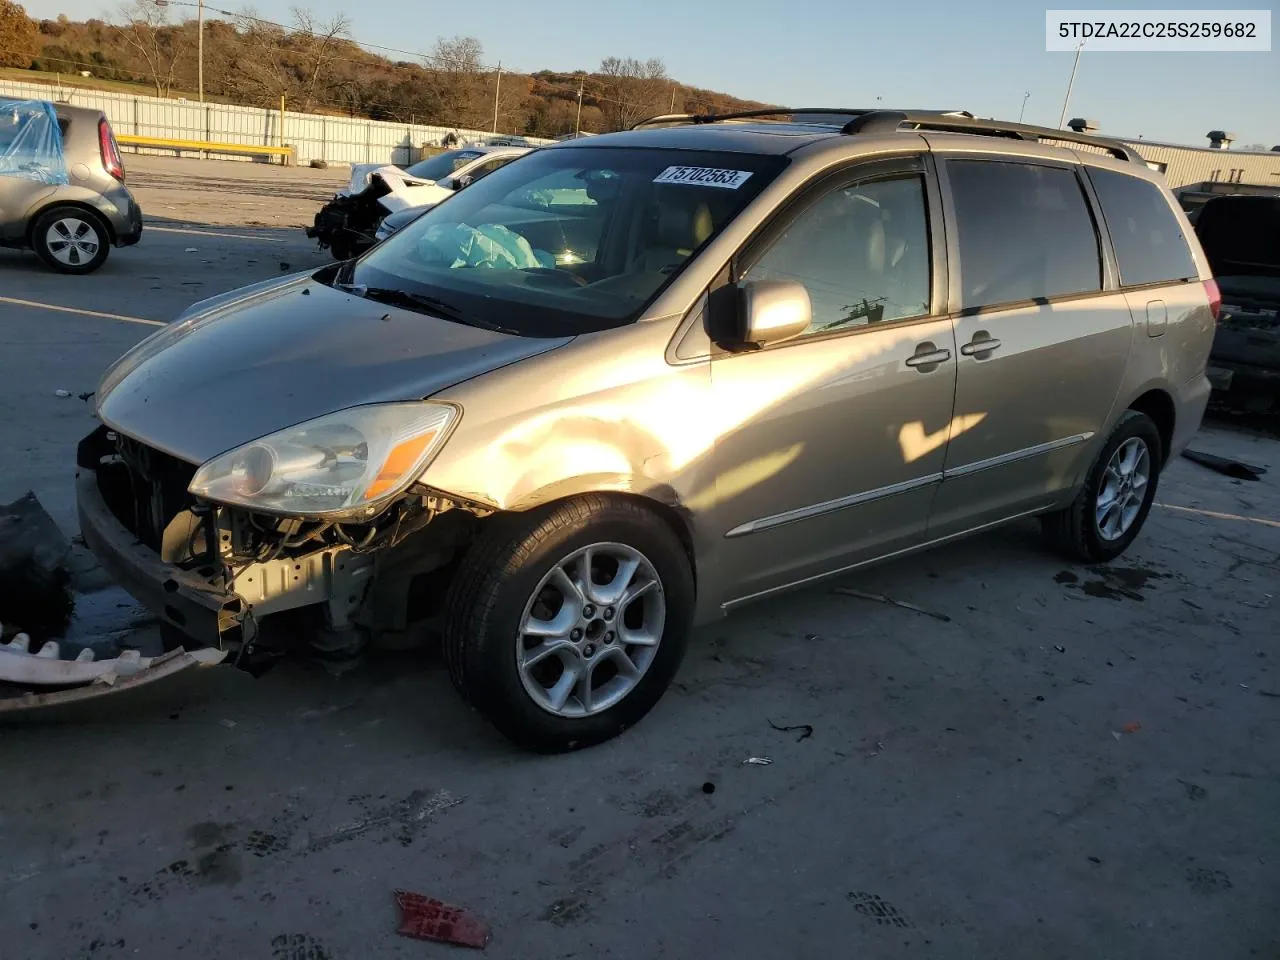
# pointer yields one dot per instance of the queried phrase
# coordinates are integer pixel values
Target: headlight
(349, 463)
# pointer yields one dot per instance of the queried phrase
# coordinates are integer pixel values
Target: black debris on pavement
(1236, 469)
(806, 729)
(35, 583)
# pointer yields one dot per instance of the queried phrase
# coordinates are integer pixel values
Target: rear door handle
(930, 358)
(976, 346)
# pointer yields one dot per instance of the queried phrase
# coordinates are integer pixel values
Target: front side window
(861, 251)
(1024, 232)
(1148, 240)
(569, 240)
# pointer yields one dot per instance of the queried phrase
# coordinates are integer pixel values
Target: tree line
(318, 66)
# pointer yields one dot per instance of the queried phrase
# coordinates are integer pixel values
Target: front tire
(565, 625)
(71, 240)
(1112, 505)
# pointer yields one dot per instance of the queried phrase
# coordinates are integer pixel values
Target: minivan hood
(241, 367)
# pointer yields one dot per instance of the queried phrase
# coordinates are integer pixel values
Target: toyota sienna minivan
(630, 384)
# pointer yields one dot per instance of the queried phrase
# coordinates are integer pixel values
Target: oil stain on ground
(1111, 583)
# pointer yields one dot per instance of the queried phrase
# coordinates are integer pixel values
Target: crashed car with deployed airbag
(348, 224)
(628, 384)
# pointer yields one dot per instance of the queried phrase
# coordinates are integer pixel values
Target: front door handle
(981, 343)
(927, 356)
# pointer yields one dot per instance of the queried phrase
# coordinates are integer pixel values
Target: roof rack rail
(886, 121)
(790, 112)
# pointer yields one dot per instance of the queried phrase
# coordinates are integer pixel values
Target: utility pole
(1025, 97)
(1070, 83)
(497, 89)
(200, 48)
(577, 124)
(674, 88)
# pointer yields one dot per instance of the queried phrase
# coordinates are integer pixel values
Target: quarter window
(1148, 240)
(1024, 232)
(862, 252)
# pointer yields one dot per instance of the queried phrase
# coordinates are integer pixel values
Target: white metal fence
(314, 137)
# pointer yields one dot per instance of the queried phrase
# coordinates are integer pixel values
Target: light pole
(1025, 97)
(1070, 83)
(577, 124)
(497, 88)
(200, 49)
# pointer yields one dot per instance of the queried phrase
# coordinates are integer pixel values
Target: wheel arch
(660, 500)
(101, 219)
(1158, 404)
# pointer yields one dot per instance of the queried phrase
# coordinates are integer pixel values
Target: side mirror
(771, 311)
(463, 181)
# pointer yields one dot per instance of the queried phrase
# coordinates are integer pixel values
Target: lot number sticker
(704, 177)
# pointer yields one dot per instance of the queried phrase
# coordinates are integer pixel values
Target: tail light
(1215, 298)
(110, 152)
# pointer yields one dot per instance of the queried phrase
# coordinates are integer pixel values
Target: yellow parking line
(84, 313)
(1219, 516)
(213, 233)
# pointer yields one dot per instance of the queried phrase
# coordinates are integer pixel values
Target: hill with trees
(318, 67)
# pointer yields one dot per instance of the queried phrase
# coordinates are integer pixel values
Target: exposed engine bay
(334, 587)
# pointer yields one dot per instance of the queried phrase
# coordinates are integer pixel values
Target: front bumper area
(185, 600)
(191, 566)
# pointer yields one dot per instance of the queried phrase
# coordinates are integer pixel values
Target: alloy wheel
(590, 630)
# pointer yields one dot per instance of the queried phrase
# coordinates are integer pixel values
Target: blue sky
(931, 53)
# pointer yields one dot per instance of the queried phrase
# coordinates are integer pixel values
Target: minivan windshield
(565, 240)
(442, 164)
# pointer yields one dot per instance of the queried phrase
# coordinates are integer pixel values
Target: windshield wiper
(420, 301)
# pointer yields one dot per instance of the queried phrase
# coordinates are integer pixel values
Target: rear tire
(1112, 505)
(595, 665)
(71, 239)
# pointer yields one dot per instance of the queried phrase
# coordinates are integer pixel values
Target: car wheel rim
(590, 630)
(72, 241)
(1124, 487)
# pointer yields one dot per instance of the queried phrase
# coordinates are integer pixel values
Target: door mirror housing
(771, 311)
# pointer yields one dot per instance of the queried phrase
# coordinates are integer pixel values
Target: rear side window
(1149, 242)
(1024, 231)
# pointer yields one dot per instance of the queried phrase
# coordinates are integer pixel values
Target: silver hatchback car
(62, 191)
(627, 385)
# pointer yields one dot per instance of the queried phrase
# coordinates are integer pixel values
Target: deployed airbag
(31, 142)
(489, 245)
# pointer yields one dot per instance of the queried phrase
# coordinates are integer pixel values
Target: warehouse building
(1211, 170)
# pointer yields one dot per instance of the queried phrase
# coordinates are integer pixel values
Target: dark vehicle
(62, 191)
(1241, 238)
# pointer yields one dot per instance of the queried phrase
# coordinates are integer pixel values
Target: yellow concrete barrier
(285, 153)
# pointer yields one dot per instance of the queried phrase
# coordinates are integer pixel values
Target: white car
(348, 223)
(429, 181)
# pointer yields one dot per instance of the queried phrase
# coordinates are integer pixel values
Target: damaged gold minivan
(623, 386)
